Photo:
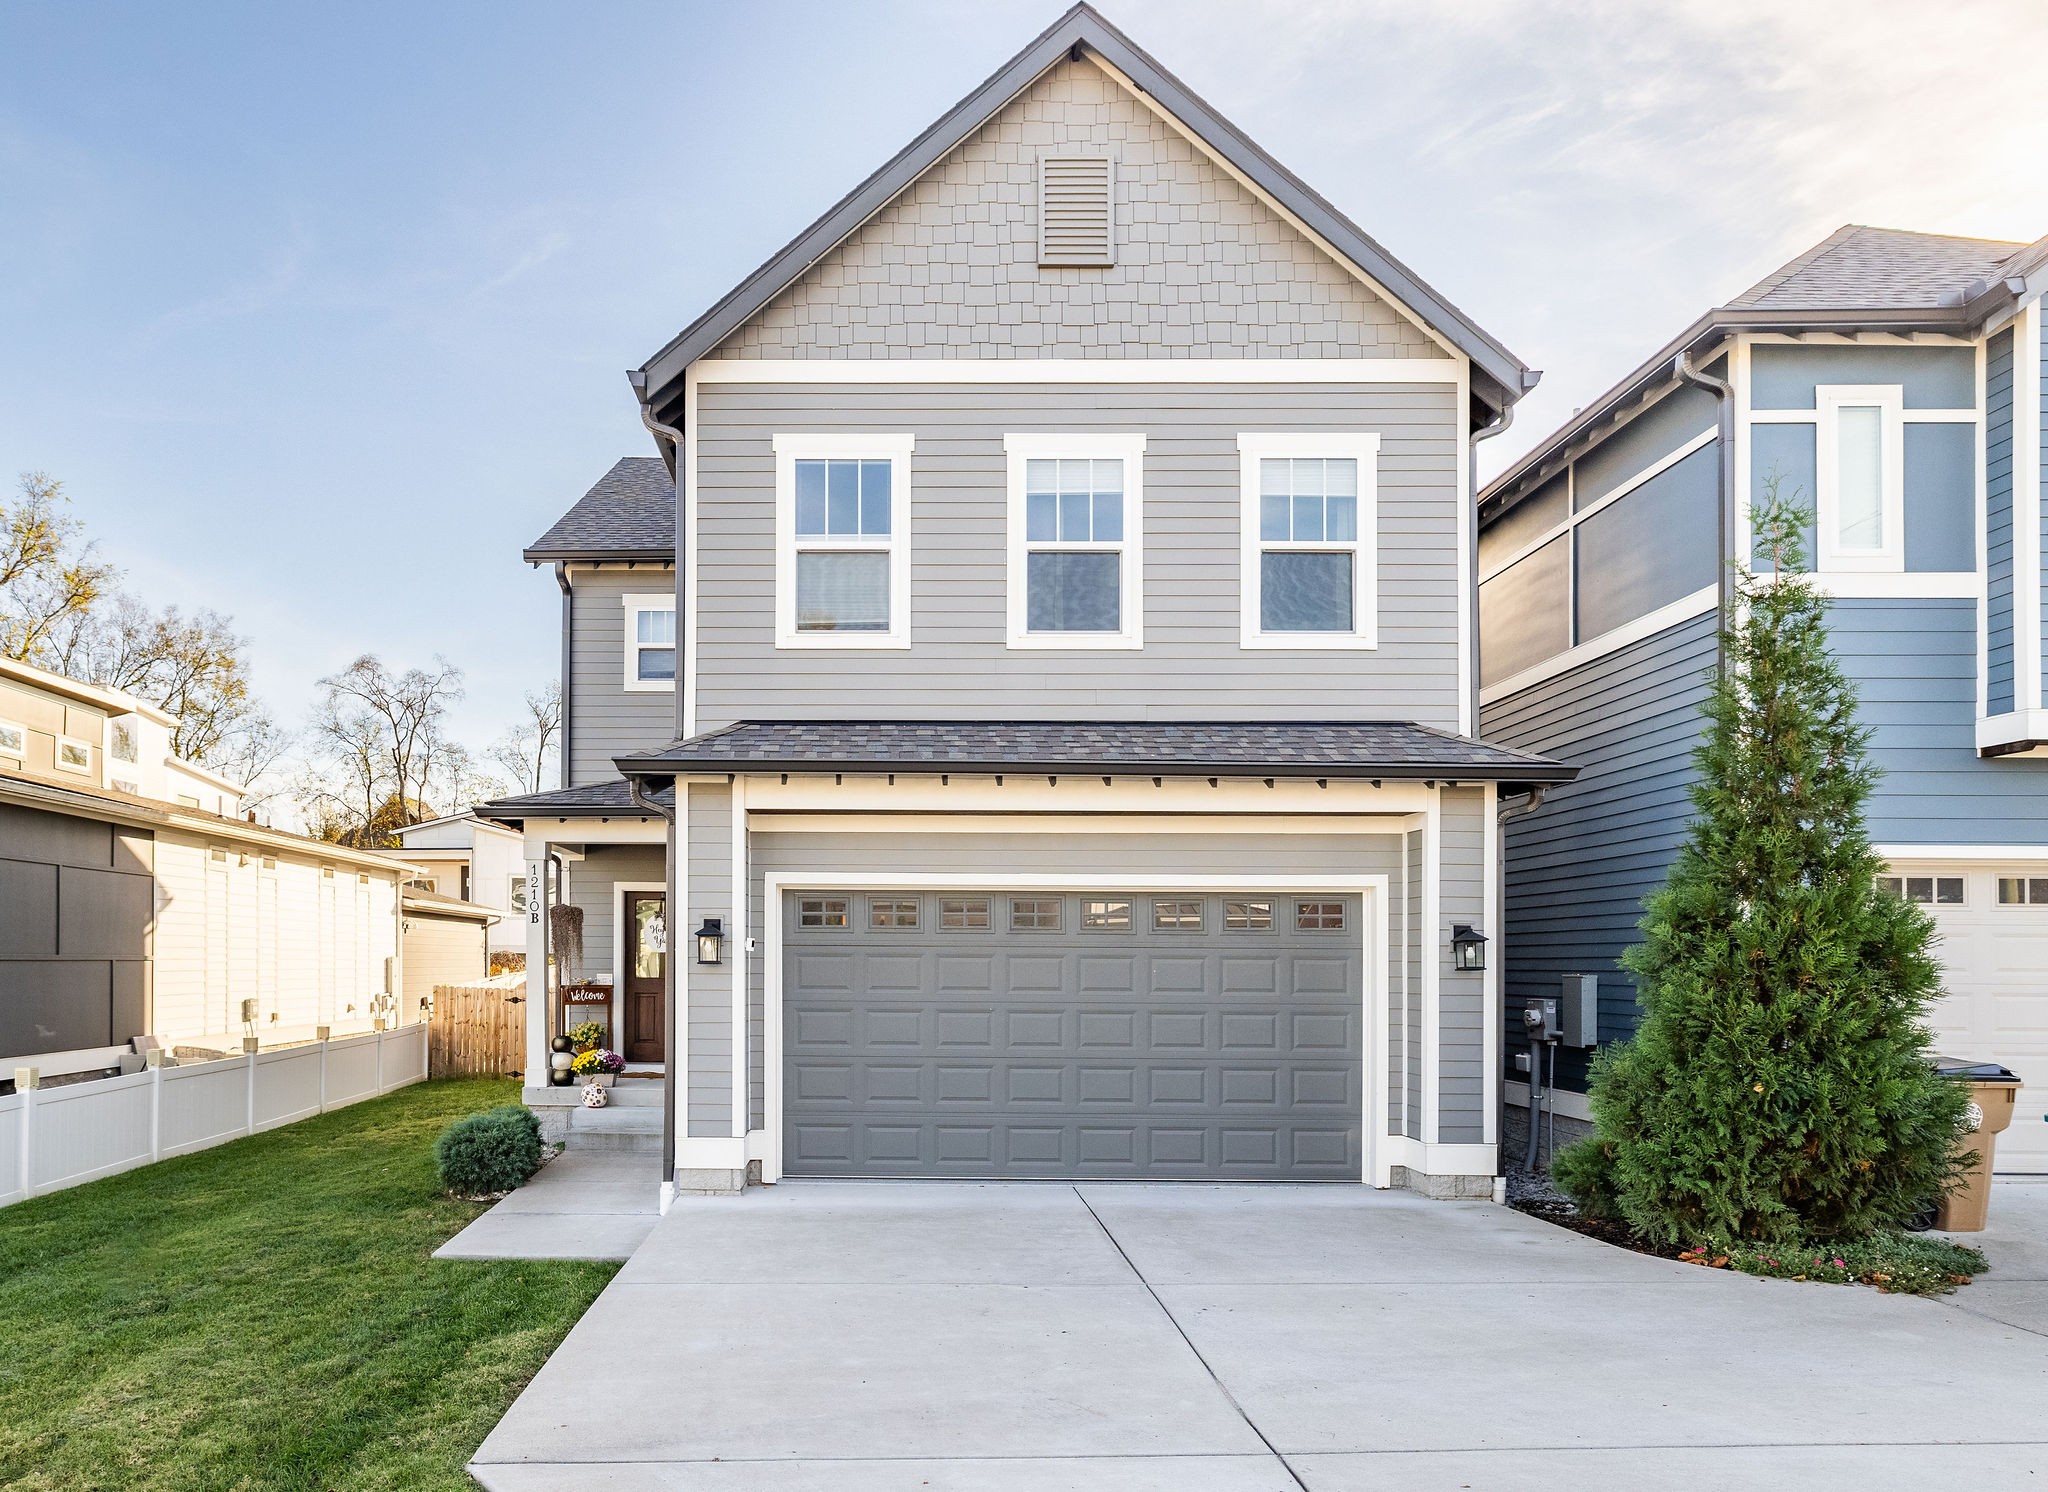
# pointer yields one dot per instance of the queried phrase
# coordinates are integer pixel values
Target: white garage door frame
(1376, 1160)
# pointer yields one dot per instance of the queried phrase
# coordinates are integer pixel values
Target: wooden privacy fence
(478, 1030)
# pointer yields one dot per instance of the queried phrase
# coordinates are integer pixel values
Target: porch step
(629, 1127)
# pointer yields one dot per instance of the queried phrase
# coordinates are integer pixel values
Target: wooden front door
(646, 1009)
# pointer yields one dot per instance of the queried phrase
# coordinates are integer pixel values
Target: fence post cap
(26, 1078)
(323, 1033)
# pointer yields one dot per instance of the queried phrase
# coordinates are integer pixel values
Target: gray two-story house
(1891, 384)
(1042, 743)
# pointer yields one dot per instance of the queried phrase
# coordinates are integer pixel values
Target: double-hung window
(1309, 572)
(842, 552)
(1076, 556)
(1859, 472)
(650, 641)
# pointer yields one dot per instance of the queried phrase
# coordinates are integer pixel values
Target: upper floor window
(73, 756)
(121, 745)
(1076, 556)
(1309, 512)
(1859, 472)
(13, 738)
(842, 552)
(651, 641)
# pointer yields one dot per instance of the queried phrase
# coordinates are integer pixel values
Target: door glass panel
(650, 937)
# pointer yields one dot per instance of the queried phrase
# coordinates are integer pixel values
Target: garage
(1153, 1035)
(1994, 948)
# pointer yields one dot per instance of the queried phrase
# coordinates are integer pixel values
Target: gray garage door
(1144, 1035)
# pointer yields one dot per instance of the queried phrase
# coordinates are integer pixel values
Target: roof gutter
(1520, 773)
(1685, 371)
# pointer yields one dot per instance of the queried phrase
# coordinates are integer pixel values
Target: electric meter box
(1539, 1019)
(1579, 1008)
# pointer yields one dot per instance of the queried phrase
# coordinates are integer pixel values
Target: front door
(646, 952)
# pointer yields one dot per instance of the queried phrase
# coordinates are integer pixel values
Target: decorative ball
(560, 1061)
(594, 1097)
(561, 1044)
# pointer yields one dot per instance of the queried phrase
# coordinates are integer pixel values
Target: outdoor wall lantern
(1468, 948)
(709, 937)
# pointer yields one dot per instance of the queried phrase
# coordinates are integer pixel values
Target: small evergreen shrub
(1779, 1088)
(494, 1151)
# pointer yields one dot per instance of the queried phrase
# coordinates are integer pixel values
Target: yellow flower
(1759, 1087)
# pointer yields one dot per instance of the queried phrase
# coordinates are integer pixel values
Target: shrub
(1779, 1087)
(494, 1151)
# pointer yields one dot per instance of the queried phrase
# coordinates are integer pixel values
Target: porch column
(535, 852)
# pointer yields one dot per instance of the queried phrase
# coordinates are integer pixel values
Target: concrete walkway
(581, 1205)
(870, 1336)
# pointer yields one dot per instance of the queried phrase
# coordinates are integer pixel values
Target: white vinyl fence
(51, 1138)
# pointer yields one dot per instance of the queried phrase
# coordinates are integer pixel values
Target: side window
(1106, 916)
(1036, 913)
(892, 912)
(821, 911)
(1176, 916)
(1247, 916)
(842, 551)
(963, 914)
(1075, 554)
(1309, 567)
(1859, 471)
(1319, 916)
(651, 642)
(2023, 891)
(1927, 891)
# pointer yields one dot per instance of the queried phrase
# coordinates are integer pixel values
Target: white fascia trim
(1909, 415)
(1656, 468)
(1565, 1102)
(895, 449)
(1072, 370)
(634, 603)
(1911, 585)
(2016, 725)
(1685, 608)
(1376, 1160)
(1890, 400)
(1987, 856)
(1362, 446)
(1130, 450)
(2026, 506)
(1081, 795)
(929, 822)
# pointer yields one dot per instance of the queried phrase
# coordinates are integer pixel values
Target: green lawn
(264, 1315)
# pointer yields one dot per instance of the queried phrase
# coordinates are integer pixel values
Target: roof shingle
(631, 512)
(1861, 268)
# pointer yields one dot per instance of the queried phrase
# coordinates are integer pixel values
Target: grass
(265, 1315)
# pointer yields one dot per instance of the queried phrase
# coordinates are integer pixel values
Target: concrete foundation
(1444, 1188)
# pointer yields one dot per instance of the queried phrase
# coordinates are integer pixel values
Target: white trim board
(1987, 855)
(839, 370)
(1376, 1159)
(1567, 1104)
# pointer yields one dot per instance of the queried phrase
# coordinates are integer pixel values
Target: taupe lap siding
(1075, 1051)
(1191, 666)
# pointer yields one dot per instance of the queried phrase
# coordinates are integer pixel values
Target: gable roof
(1857, 279)
(1500, 377)
(630, 514)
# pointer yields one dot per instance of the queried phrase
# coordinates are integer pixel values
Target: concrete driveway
(867, 1336)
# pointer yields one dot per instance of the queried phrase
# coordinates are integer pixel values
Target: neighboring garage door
(1148, 1035)
(1994, 950)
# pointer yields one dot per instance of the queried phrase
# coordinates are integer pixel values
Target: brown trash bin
(1993, 1093)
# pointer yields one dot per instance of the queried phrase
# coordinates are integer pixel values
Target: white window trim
(1129, 449)
(18, 753)
(1829, 400)
(790, 449)
(1363, 446)
(64, 766)
(635, 603)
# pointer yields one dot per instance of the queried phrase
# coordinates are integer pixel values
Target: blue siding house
(1892, 383)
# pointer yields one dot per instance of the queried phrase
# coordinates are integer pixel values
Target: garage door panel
(1184, 1052)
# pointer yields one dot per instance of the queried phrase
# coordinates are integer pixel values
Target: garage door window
(892, 913)
(2023, 891)
(1035, 914)
(1319, 916)
(1176, 916)
(1247, 916)
(821, 911)
(963, 913)
(1106, 916)
(1926, 891)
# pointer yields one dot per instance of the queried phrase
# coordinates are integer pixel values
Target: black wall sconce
(1468, 948)
(710, 937)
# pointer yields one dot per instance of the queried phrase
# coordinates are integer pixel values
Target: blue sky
(322, 313)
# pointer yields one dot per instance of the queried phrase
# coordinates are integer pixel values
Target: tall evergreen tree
(1778, 1087)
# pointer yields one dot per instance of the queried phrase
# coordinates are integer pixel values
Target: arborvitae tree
(1778, 1087)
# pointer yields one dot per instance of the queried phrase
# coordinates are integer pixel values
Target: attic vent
(1075, 215)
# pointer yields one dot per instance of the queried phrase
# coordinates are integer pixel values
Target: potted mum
(598, 1065)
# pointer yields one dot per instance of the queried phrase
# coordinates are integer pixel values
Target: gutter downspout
(568, 688)
(1684, 371)
(1484, 432)
(636, 789)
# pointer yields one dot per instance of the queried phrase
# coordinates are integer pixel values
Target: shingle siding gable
(1203, 268)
